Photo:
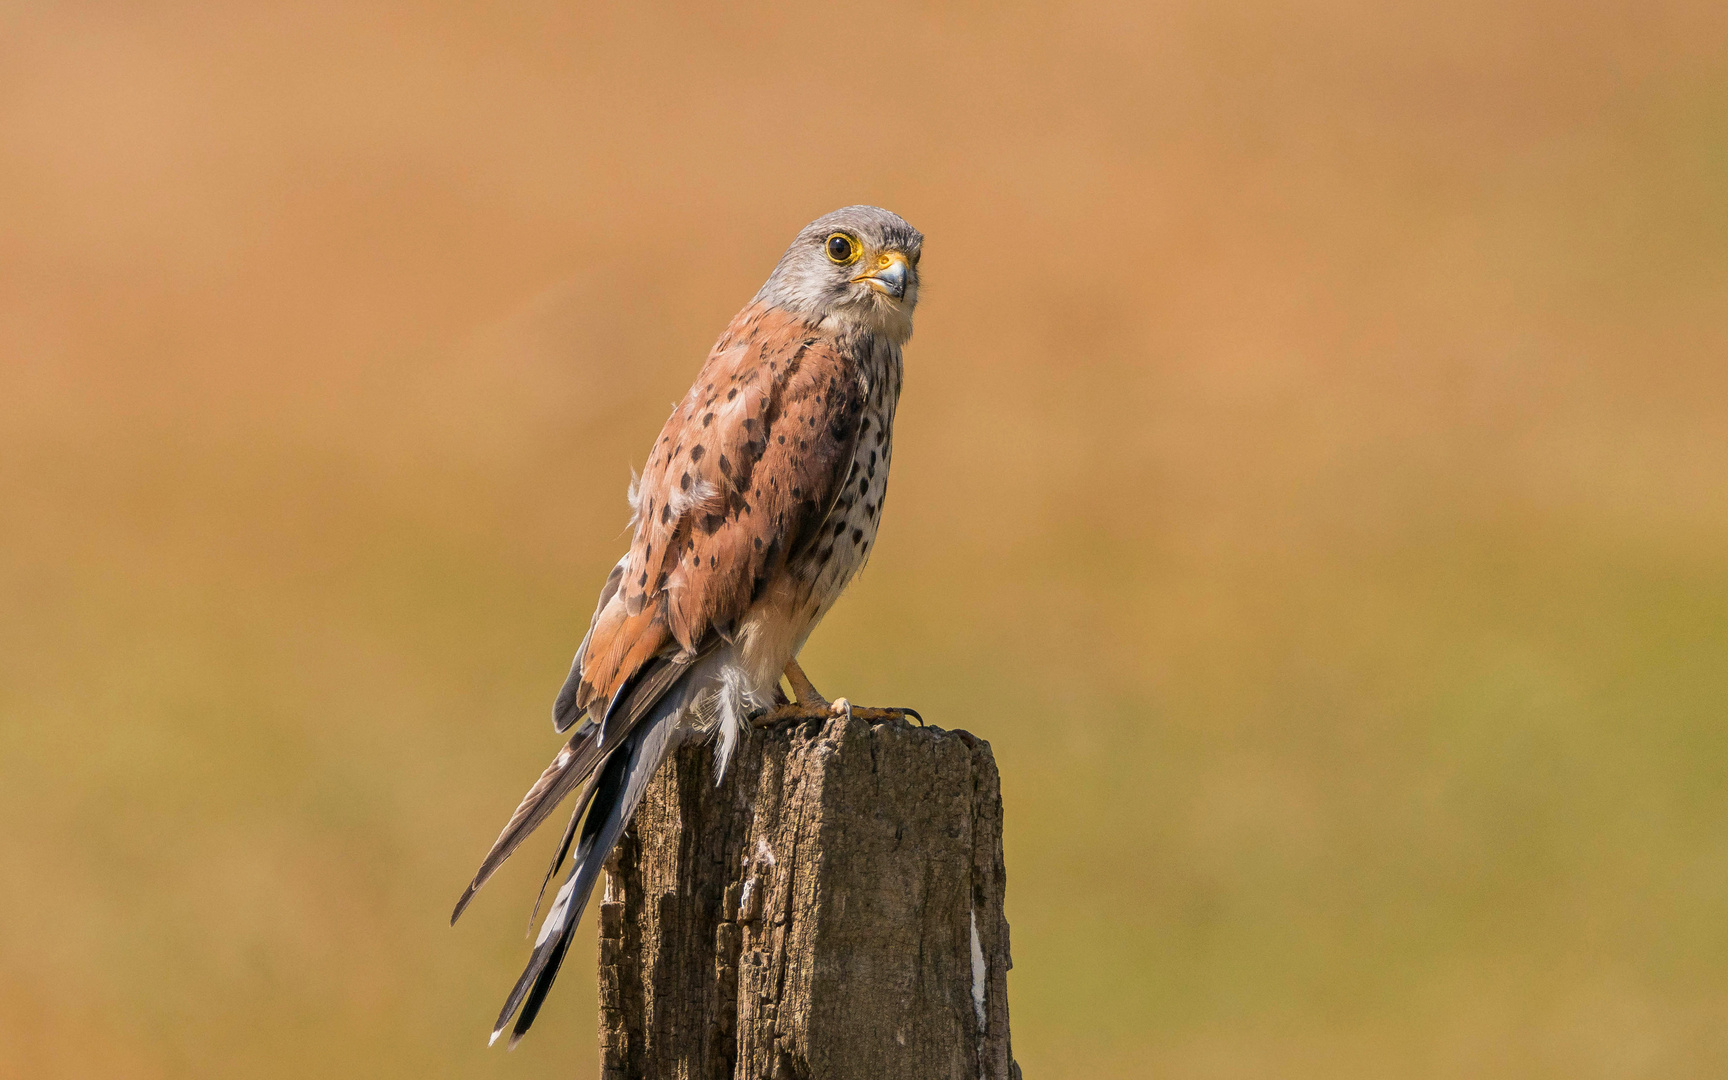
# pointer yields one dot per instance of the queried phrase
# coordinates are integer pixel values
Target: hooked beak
(889, 274)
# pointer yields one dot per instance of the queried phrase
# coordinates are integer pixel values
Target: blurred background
(1313, 481)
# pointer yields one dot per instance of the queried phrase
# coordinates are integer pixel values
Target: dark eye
(842, 248)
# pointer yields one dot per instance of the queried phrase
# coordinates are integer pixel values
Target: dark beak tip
(895, 279)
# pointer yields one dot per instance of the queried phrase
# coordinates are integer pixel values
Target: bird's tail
(611, 800)
(573, 764)
(636, 701)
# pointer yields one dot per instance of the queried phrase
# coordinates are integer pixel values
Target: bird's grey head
(854, 269)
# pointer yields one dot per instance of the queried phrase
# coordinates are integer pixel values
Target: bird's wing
(565, 710)
(745, 471)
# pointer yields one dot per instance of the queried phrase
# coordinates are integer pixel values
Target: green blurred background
(1313, 482)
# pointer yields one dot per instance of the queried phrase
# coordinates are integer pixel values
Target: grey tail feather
(563, 849)
(616, 793)
(639, 696)
(575, 762)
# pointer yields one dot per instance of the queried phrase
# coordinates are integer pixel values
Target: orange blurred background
(1313, 482)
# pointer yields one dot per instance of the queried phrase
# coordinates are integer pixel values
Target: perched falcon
(757, 505)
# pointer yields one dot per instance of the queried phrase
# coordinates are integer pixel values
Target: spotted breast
(842, 545)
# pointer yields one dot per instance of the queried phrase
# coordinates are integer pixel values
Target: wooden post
(832, 910)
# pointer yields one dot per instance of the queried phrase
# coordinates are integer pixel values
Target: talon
(875, 715)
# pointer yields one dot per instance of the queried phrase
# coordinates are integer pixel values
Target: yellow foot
(797, 714)
(793, 714)
(813, 706)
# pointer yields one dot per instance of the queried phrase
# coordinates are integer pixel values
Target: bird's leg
(807, 695)
(813, 706)
(809, 706)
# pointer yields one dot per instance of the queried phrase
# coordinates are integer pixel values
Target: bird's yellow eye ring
(842, 248)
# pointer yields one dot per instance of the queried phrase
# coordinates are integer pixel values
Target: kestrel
(757, 505)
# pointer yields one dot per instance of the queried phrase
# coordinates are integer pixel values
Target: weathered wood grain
(813, 915)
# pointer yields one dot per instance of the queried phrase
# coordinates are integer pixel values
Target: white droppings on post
(978, 973)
